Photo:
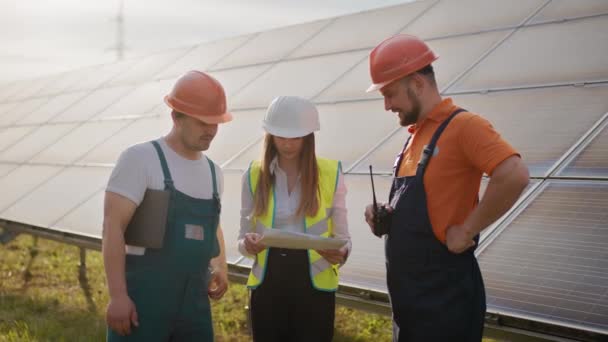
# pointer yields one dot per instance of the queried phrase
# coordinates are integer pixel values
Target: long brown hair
(309, 178)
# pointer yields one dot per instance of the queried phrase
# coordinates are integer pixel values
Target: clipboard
(284, 239)
(149, 222)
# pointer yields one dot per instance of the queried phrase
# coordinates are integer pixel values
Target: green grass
(43, 298)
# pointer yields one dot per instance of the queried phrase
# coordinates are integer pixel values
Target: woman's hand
(334, 256)
(253, 244)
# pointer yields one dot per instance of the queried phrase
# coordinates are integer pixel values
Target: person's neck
(291, 167)
(427, 106)
(176, 144)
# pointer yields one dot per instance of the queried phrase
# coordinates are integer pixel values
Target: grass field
(43, 298)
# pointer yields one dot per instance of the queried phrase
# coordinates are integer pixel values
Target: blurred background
(41, 37)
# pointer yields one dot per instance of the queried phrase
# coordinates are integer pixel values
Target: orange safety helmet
(201, 96)
(397, 57)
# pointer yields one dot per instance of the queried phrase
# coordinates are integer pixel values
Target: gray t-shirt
(138, 168)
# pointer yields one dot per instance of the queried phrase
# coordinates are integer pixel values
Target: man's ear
(418, 83)
(175, 116)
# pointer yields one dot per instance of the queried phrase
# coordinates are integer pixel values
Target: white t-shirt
(138, 168)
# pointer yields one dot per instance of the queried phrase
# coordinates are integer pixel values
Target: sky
(41, 37)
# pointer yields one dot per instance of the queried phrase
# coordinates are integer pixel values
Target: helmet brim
(287, 133)
(209, 119)
(377, 86)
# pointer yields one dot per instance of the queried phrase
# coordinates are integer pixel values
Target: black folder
(148, 224)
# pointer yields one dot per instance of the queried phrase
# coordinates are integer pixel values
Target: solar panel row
(540, 79)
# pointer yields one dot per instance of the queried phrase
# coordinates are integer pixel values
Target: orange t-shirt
(468, 148)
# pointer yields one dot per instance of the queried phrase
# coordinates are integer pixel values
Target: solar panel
(467, 16)
(366, 266)
(73, 145)
(566, 9)
(33, 142)
(454, 59)
(18, 110)
(551, 262)
(57, 196)
(521, 119)
(347, 32)
(32, 89)
(135, 131)
(235, 79)
(232, 137)
(95, 102)
(86, 218)
(21, 180)
(545, 54)
(139, 101)
(592, 161)
(231, 213)
(97, 76)
(542, 81)
(8, 90)
(271, 46)
(304, 77)
(202, 57)
(10, 136)
(147, 67)
(360, 123)
(50, 108)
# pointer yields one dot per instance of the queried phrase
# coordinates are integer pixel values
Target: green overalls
(169, 285)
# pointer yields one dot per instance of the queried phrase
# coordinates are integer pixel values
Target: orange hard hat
(397, 57)
(201, 96)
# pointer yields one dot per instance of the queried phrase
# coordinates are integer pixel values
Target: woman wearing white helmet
(293, 291)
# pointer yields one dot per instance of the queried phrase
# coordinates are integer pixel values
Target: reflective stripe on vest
(323, 274)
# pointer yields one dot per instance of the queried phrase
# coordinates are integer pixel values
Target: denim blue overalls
(435, 295)
(169, 285)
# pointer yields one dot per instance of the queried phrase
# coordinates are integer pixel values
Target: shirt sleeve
(483, 146)
(246, 211)
(129, 178)
(340, 212)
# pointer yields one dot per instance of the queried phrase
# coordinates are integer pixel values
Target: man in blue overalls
(435, 217)
(162, 294)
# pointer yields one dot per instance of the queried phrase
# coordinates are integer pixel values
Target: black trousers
(286, 307)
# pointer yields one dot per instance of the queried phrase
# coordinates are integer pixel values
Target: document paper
(283, 239)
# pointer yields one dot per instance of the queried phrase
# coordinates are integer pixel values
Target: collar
(437, 114)
(275, 169)
(274, 165)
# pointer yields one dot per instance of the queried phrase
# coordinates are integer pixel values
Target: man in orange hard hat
(162, 293)
(433, 219)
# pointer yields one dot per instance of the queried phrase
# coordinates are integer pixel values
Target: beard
(410, 117)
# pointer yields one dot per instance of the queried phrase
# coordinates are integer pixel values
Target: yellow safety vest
(323, 274)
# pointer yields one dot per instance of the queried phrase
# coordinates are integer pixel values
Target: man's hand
(218, 284)
(459, 239)
(253, 244)
(121, 313)
(369, 214)
(334, 256)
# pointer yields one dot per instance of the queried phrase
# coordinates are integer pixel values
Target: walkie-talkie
(382, 217)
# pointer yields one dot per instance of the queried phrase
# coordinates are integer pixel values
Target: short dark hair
(428, 72)
(177, 115)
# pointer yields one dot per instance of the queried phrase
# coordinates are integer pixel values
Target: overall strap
(212, 168)
(216, 195)
(430, 148)
(397, 164)
(164, 165)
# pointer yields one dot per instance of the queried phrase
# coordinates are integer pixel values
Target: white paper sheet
(283, 239)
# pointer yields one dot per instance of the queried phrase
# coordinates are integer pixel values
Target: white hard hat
(291, 117)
